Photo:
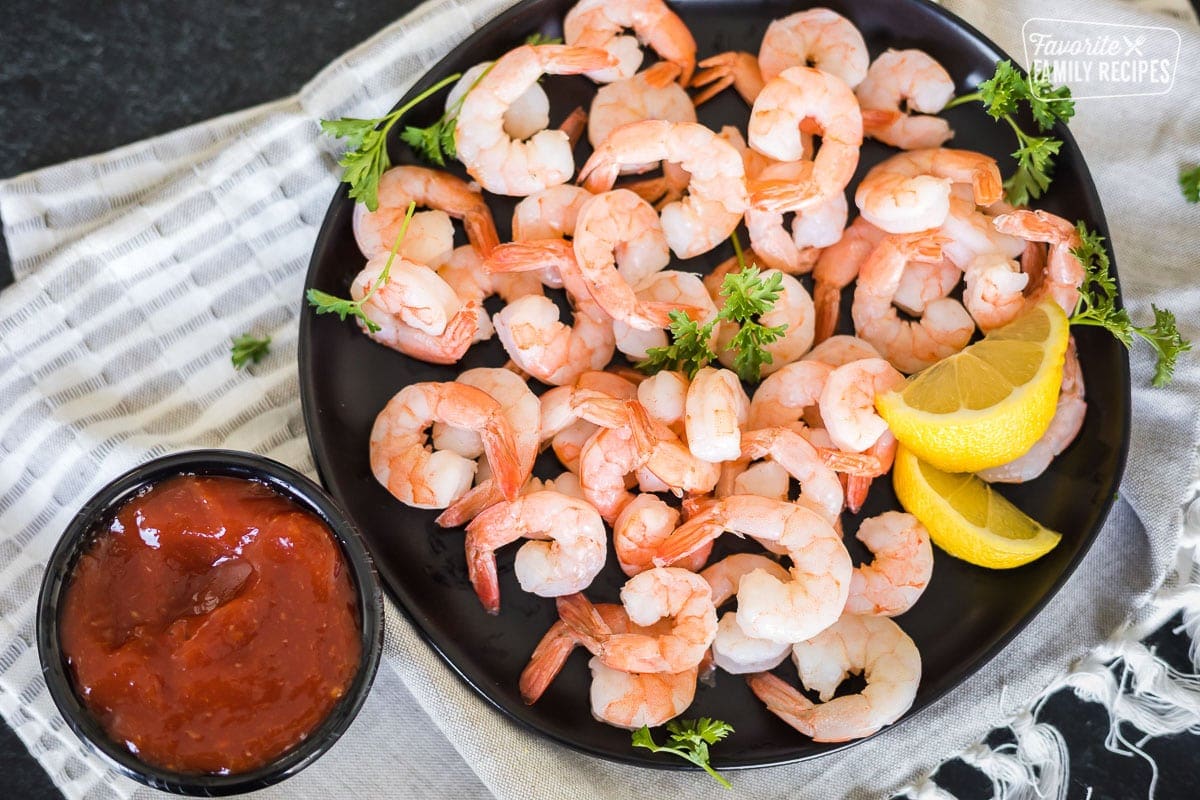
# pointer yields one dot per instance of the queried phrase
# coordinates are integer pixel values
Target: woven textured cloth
(135, 268)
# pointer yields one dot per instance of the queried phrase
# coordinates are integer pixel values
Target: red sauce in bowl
(213, 626)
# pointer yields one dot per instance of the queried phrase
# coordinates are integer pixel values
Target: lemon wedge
(967, 518)
(988, 404)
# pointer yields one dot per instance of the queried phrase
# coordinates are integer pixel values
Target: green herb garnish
(326, 303)
(689, 739)
(1189, 183)
(367, 157)
(1097, 306)
(1001, 96)
(747, 296)
(248, 348)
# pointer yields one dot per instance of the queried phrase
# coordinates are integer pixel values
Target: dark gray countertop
(78, 78)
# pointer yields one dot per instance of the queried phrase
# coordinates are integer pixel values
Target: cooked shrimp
(599, 23)
(464, 270)
(560, 422)
(615, 230)
(994, 293)
(543, 346)
(732, 650)
(376, 231)
(565, 552)
(632, 699)
(814, 228)
(715, 411)
(447, 347)
(413, 294)
(819, 485)
(969, 233)
(912, 78)
(768, 608)
(836, 268)
(632, 441)
(848, 402)
(910, 191)
(651, 94)
(419, 477)
(1064, 427)
(566, 483)
(892, 583)
(681, 289)
(838, 350)
(504, 165)
(923, 282)
(763, 478)
(662, 592)
(910, 346)
(664, 396)
(817, 37)
(793, 310)
(624, 699)
(520, 406)
(549, 214)
(1063, 273)
(875, 646)
(783, 396)
(817, 99)
(716, 193)
(527, 115)
(640, 528)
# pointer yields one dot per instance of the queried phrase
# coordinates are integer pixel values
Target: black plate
(966, 616)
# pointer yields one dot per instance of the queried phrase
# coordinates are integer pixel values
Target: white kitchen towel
(135, 268)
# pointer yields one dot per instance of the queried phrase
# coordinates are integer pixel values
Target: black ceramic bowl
(100, 509)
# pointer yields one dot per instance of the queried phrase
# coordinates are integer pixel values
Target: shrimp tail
(853, 464)
(782, 700)
(581, 616)
(481, 571)
(857, 487)
(875, 119)
(481, 231)
(827, 302)
(757, 444)
(574, 125)
(737, 69)
(781, 196)
(527, 256)
(599, 409)
(987, 184)
(470, 505)
(500, 445)
(688, 538)
(662, 74)
(658, 313)
(546, 662)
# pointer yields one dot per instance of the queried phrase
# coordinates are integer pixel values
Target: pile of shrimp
(631, 446)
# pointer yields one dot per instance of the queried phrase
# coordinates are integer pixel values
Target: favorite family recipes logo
(1102, 59)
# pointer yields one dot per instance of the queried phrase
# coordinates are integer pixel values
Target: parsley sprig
(248, 348)
(1097, 307)
(747, 296)
(367, 157)
(1002, 95)
(326, 303)
(1189, 183)
(689, 739)
(435, 143)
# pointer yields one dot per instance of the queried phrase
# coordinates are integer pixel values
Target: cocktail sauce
(212, 626)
